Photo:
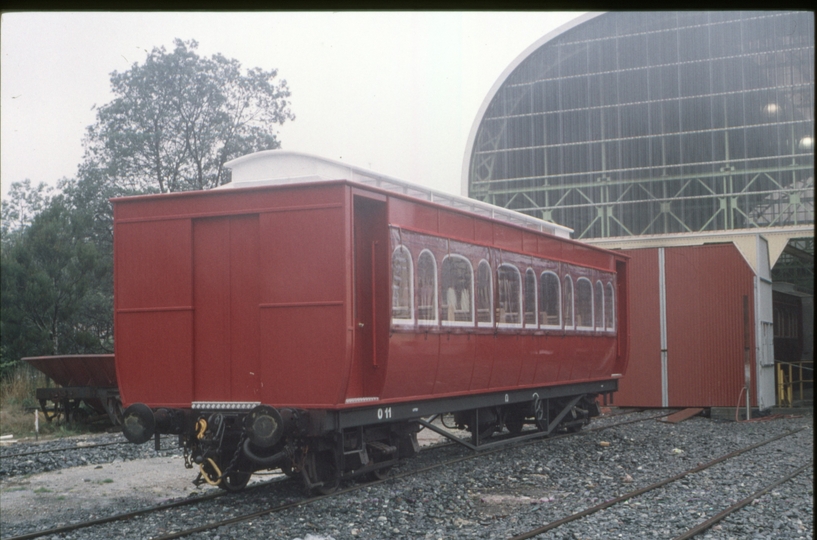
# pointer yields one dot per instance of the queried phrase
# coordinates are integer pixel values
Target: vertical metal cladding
(705, 286)
(641, 385)
(705, 338)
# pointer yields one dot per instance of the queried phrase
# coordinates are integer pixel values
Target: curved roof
(275, 167)
(469, 145)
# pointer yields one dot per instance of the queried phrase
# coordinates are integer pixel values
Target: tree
(53, 288)
(22, 204)
(179, 117)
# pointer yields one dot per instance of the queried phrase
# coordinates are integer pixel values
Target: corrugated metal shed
(704, 358)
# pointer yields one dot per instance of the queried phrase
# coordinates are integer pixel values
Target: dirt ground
(91, 488)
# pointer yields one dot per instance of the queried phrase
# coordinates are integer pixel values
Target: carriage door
(371, 315)
(225, 302)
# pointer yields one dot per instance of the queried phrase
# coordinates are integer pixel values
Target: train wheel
(515, 422)
(234, 481)
(321, 468)
(286, 468)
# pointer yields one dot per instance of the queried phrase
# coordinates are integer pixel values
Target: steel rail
(64, 449)
(651, 487)
(134, 513)
(740, 504)
(210, 496)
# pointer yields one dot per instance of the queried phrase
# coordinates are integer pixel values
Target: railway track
(280, 507)
(675, 478)
(61, 449)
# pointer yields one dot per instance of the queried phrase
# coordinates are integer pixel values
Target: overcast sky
(397, 93)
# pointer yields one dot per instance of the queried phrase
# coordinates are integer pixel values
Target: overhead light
(806, 144)
(771, 109)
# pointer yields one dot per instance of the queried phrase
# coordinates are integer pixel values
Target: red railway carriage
(311, 315)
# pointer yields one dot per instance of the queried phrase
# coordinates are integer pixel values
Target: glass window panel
(568, 298)
(549, 304)
(584, 303)
(598, 302)
(456, 290)
(426, 288)
(510, 297)
(609, 312)
(401, 285)
(530, 298)
(485, 294)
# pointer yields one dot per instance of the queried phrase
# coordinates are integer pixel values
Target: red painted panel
(456, 363)
(244, 300)
(211, 297)
(154, 361)
(507, 237)
(549, 352)
(705, 354)
(530, 359)
(530, 242)
(227, 202)
(508, 354)
(297, 251)
(403, 213)
(483, 232)
(641, 386)
(605, 357)
(304, 355)
(413, 362)
(550, 247)
(226, 294)
(484, 356)
(456, 225)
(153, 264)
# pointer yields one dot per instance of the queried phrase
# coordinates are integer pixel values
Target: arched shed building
(656, 133)
(624, 124)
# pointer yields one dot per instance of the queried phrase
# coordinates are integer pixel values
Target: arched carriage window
(609, 312)
(598, 303)
(549, 300)
(426, 288)
(509, 284)
(485, 294)
(568, 298)
(584, 303)
(402, 293)
(457, 290)
(530, 298)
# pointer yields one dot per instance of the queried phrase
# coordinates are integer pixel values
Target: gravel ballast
(497, 495)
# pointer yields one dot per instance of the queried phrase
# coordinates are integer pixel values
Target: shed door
(371, 317)
(225, 303)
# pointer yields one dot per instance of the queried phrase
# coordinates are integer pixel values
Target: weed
(107, 481)
(43, 490)
(18, 396)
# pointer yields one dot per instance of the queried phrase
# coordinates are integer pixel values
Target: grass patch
(18, 395)
(43, 490)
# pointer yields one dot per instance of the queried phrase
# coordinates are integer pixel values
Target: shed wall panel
(705, 324)
(705, 286)
(641, 386)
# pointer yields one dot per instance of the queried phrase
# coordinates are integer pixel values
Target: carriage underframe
(325, 447)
